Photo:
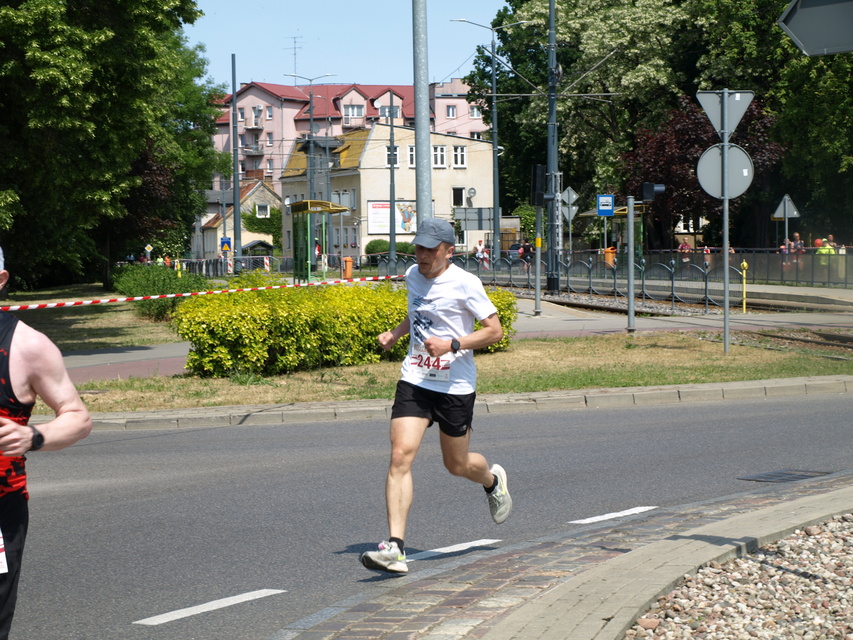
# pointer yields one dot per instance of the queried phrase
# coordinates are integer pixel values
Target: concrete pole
(423, 147)
(238, 241)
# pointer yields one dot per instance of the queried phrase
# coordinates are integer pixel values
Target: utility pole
(496, 206)
(423, 148)
(238, 241)
(310, 159)
(552, 196)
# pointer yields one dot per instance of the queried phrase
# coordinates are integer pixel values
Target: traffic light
(538, 185)
(650, 190)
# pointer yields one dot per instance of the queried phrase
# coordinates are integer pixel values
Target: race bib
(428, 367)
(4, 566)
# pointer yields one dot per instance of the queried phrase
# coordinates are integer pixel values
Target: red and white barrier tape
(80, 303)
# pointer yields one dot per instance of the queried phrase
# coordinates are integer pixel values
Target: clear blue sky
(365, 43)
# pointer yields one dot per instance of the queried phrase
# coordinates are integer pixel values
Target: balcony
(253, 150)
(256, 125)
(353, 122)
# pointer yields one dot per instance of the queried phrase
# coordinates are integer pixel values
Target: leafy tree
(669, 154)
(527, 219)
(270, 226)
(100, 112)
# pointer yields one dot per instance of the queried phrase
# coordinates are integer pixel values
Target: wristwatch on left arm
(454, 345)
(38, 439)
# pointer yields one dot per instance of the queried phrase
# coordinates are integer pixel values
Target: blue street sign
(605, 205)
(225, 244)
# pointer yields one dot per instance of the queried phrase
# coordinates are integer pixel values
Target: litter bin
(347, 268)
(610, 256)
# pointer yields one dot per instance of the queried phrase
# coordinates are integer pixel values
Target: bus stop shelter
(308, 249)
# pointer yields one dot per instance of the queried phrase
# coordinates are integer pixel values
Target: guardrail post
(672, 283)
(744, 266)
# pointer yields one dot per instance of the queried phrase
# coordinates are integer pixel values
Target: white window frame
(412, 156)
(385, 112)
(460, 156)
(241, 114)
(439, 156)
(269, 138)
(476, 135)
(262, 211)
(396, 154)
(353, 110)
(269, 112)
(451, 111)
(475, 112)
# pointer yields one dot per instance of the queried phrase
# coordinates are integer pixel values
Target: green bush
(507, 308)
(284, 330)
(151, 280)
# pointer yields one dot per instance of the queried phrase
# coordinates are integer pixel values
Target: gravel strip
(799, 588)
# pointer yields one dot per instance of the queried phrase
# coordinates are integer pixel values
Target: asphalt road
(129, 526)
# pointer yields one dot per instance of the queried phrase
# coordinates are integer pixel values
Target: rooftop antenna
(296, 47)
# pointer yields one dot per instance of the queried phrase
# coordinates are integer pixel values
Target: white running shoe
(500, 502)
(387, 558)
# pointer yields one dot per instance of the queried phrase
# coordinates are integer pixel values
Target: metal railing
(659, 277)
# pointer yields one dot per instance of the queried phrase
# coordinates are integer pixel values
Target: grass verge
(619, 360)
(637, 360)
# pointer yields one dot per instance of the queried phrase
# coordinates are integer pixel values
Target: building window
(476, 135)
(451, 111)
(392, 156)
(269, 138)
(288, 239)
(263, 211)
(439, 156)
(269, 113)
(458, 196)
(475, 112)
(412, 156)
(241, 114)
(242, 138)
(460, 158)
(385, 112)
(270, 166)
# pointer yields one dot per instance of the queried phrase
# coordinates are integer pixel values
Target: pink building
(273, 118)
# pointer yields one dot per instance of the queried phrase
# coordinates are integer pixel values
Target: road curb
(487, 404)
(605, 601)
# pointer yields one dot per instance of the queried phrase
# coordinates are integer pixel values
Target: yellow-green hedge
(283, 330)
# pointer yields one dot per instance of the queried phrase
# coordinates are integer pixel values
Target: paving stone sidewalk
(501, 594)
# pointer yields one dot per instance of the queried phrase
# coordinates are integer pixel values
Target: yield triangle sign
(736, 105)
(786, 209)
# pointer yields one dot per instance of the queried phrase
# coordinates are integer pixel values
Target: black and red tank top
(13, 474)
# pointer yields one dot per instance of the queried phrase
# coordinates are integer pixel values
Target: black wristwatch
(454, 345)
(38, 439)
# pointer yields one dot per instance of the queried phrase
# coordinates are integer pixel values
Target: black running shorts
(452, 413)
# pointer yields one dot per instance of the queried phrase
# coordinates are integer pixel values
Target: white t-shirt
(445, 307)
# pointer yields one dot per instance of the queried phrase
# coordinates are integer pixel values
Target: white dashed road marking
(612, 516)
(444, 550)
(210, 606)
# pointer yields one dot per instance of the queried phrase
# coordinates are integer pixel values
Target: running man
(437, 384)
(30, 366)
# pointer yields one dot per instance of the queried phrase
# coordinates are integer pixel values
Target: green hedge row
(283, 330)
(149, 280)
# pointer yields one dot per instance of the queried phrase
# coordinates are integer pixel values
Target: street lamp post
(496, 209)
(310, 163)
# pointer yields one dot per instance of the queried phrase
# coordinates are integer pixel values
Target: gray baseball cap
(432, 232)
